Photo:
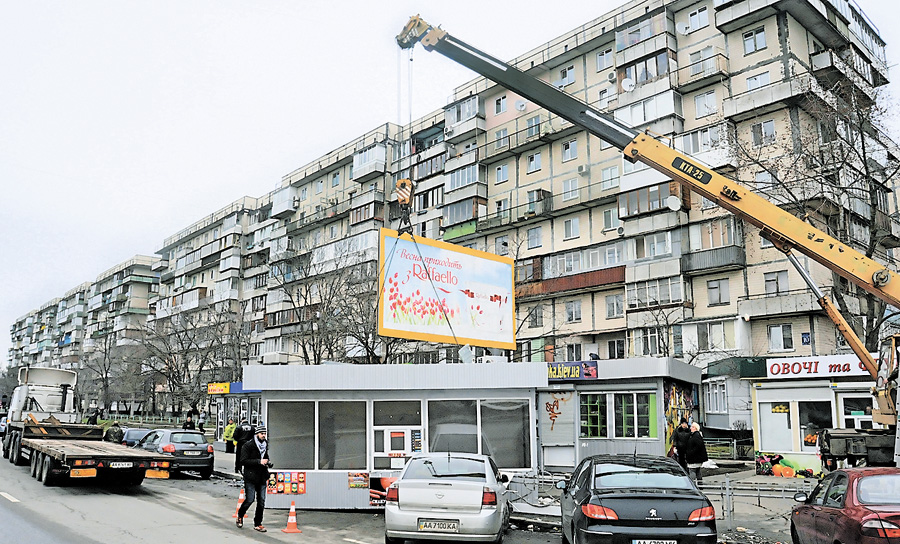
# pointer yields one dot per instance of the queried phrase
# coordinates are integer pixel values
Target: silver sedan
(447, 496)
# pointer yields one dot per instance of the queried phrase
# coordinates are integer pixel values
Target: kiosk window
(452, 426)
(292, 433)
(397, 413)
(505, 432)
(342, 435)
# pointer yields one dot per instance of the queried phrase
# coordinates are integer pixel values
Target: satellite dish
(673, 203)
(520, 105)
(683, 28)
(628, 85)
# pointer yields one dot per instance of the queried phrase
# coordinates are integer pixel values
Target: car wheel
(391, 540)
(206, 473)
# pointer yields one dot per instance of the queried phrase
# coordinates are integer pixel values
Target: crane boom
(785, 230)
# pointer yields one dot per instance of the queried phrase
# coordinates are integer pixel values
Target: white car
(460, 497)
(3, 426)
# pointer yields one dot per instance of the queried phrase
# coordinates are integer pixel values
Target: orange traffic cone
(292, 521)
(240, 502)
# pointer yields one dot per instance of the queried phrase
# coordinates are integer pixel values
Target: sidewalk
(224, 465)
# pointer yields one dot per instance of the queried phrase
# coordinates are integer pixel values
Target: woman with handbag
(695, 453)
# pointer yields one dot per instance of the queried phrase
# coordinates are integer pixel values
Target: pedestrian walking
(244, 433)
(188, 424)
(695, 453)
(92, 419)
(228, 435)
(201, 420)
(679, 440)
(256, 464)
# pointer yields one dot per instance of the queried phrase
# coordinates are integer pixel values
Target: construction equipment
(787, 232)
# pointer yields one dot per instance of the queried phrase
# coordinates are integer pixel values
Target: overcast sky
(123, 122)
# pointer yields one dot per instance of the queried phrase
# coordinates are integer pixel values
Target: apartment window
(763, 133)
(501, 245)
(648, 293)
(712, 336)
(701, 140)
(570, 189)
(609, 178)
(573, 311)
(304, 193)
(335, 179)
(713, 234)
(462, 111)
(604, 59)
(705, 104)
(320, 186)
(603, 103)
(643, 200)
(754, 40)
(593, 415)
(614, 253)
(333, 231)
(757, 81)
(501, 138)
(569, 150)
(615, 306)
(566, 76)
(630, 167)
(781, 338)
(500, 105)
(466, 176)
(776, 282)
(765, 242)
(534, 237)
(536, 317)
(459, 212)
(615, 349)
(635, 415)
(698, 19)
(610, 219)
(534, 162)
(716, 399)
(570, 227)
(502, 173)
(653, 245)
(533, 126)
(526, 268)
(647, 69)
(702, 61)
(646, 341)
(573, 352)
(717, 291)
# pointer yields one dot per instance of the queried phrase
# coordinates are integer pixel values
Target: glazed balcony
(715, 260)
(575, 283)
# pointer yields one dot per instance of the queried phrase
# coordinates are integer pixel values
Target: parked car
(447, 496)
(2, 426)
(133, 435)
(188, 449)
(859, 505)
(634, 499)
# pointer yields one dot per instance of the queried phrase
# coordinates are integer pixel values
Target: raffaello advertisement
(441, 292)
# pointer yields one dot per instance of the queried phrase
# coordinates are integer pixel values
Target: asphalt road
(183, 510)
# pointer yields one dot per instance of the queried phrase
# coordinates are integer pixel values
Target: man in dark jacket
(256, 464)
(243, 434)
(188, 425)
(695, 452)
(679, 440)
(114, 434)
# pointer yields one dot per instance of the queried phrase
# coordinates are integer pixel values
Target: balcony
(574, 283)
(713, 260)
(785, 303)
(814, 15)
(701, 73)
(774, 96)
(478, 189)
(464, 130)
(370, 163)
(832, 70)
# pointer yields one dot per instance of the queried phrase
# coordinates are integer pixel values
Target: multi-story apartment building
(605, 266)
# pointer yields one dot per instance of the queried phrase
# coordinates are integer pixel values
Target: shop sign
(218, 388)
(572, 370)
(829, 366)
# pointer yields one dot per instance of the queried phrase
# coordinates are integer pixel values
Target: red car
(854, 505)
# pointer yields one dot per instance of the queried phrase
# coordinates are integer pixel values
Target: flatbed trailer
(58, 451)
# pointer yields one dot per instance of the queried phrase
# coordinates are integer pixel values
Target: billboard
(440, 292)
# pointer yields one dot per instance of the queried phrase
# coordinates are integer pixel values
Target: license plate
(653, 541)
(154, 473)
(83, 473)
(121, 464)
(192, 453)
(439, 525)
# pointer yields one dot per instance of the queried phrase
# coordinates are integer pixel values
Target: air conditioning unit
(448, 131)
(583, 170)
(620, 231)
(611, 77)
(296, 202)
(491, 359)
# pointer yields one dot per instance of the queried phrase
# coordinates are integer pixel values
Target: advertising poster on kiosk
(286, 482)
(440, 292)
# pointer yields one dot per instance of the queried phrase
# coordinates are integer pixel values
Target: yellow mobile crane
(787, 232)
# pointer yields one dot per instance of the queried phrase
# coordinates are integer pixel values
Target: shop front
(613, 406)
(339, 434)
(799, 397)
(230, 400)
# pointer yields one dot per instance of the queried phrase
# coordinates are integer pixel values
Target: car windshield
(880, 489)
(446, 467)
(187, 438)
(613, 475)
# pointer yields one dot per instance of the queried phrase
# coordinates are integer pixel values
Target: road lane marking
(355, 541)
(180, 497)
(8, 497)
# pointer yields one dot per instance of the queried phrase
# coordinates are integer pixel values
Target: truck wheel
(39, 460)
(34, 469)
(135, 480)
(47, 465)
(11, 447)
(17, 449)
